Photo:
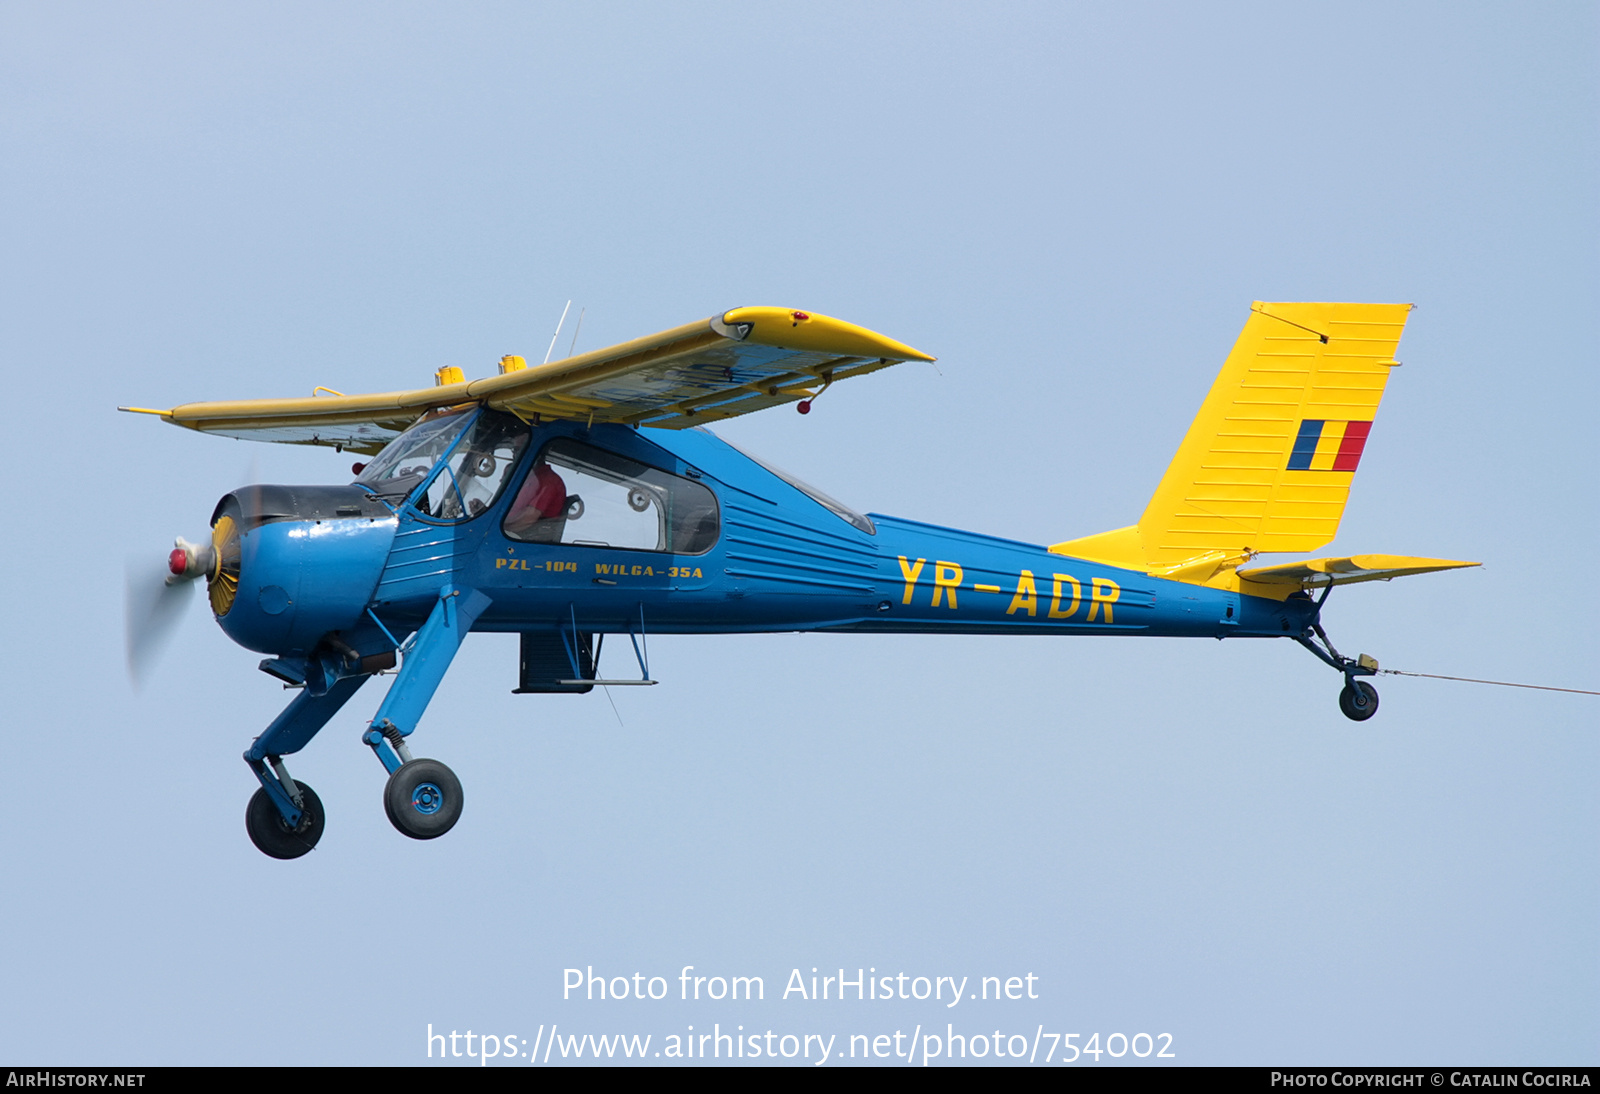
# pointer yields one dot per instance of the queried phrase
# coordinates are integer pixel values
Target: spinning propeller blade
(156, 599)
(155, 602)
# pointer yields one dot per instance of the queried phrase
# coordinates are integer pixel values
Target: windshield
(406, 460)
(476, 469)
(480, 462)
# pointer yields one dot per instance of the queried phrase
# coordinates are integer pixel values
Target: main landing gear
(422, 797)
(275, 836)
(1359, 699)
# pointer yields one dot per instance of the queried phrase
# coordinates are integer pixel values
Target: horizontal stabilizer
(1319, 572)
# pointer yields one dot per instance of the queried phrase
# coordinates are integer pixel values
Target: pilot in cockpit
(539, 509)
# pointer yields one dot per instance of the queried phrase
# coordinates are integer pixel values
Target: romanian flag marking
(1324, 445)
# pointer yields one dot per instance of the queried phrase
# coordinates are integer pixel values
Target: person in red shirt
(543, 497)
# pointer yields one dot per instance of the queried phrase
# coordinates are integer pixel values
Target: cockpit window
(406, 460)
(587, 497)
(474, 472)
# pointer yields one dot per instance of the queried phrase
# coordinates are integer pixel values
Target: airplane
(586, 497)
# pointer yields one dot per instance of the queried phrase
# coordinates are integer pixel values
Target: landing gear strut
(284, 818)
(422, 797)
(1359, 699)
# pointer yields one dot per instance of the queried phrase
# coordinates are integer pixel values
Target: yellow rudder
(1268, 461)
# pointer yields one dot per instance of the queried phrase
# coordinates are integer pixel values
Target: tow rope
(1497, 683)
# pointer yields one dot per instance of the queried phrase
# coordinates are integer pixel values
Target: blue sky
(1073, 208)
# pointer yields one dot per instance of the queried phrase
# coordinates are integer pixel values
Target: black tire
(1358, 700)
(423, 799)
(275, 838)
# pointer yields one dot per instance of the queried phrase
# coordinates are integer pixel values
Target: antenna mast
(557, 333)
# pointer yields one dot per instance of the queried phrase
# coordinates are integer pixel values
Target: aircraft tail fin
(1267, 463)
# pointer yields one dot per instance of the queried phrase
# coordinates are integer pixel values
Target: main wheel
(423, 799)
(1358, 700)
(272, 836)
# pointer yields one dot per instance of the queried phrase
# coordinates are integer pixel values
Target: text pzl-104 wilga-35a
(582, 498)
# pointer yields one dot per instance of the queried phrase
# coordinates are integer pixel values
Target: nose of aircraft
(290, 564)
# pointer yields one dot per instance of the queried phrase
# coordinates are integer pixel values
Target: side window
(476, 470)
(589, 497)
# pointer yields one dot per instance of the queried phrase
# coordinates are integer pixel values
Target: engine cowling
(292, 563)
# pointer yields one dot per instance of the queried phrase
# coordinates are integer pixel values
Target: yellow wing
(741, 361)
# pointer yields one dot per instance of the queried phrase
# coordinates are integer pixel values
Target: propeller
(156, 601)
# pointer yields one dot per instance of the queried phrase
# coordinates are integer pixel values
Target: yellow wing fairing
(823, 334)
(741, 361)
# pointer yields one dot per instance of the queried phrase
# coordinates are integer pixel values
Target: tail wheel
(423, 799)
(271, 833)
(1358, 700)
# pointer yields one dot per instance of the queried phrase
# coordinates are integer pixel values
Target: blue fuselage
(368, 573)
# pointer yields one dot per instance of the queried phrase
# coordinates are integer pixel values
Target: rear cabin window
(587, 497)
